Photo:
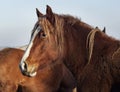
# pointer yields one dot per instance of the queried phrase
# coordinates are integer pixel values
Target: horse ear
(39, 14)
(50, 15)
(104, 30)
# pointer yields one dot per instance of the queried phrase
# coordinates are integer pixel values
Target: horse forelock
(55, 30)
(59, 33)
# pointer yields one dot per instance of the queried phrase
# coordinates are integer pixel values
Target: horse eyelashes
(42, 34)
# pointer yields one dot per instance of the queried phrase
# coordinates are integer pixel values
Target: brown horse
(91, 55)
(47, 80)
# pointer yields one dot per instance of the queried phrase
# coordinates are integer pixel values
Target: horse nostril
(23, 66)
(27, 70)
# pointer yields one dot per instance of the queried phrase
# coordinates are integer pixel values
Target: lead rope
(116, 52)
(90, 43)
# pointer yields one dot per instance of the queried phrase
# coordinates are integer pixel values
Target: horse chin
(32, 74)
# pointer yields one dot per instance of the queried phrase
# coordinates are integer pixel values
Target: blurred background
(17, 17)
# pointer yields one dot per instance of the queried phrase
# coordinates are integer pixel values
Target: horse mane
(91, 36)
(72, 21)
(75, 20)
(60, 23)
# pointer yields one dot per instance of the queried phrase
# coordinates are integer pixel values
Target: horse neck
(107, 54)
(75, 45)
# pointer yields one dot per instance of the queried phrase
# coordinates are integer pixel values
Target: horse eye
(43, 35)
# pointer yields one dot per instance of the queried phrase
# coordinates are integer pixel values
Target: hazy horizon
(18, 17)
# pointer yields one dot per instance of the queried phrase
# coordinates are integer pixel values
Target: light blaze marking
(27, 52)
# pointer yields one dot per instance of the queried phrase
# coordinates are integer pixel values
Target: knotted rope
(116, 52)
(90, 43)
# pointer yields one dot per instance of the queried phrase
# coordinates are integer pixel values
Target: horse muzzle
(27, 70)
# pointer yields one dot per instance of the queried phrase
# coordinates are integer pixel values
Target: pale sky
(17, 17)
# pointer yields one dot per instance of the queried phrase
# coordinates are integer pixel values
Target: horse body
(6, 71)
(11, 79)
(47, 80)
(67, 38)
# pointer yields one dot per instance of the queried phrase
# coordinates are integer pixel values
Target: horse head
(44, 47)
